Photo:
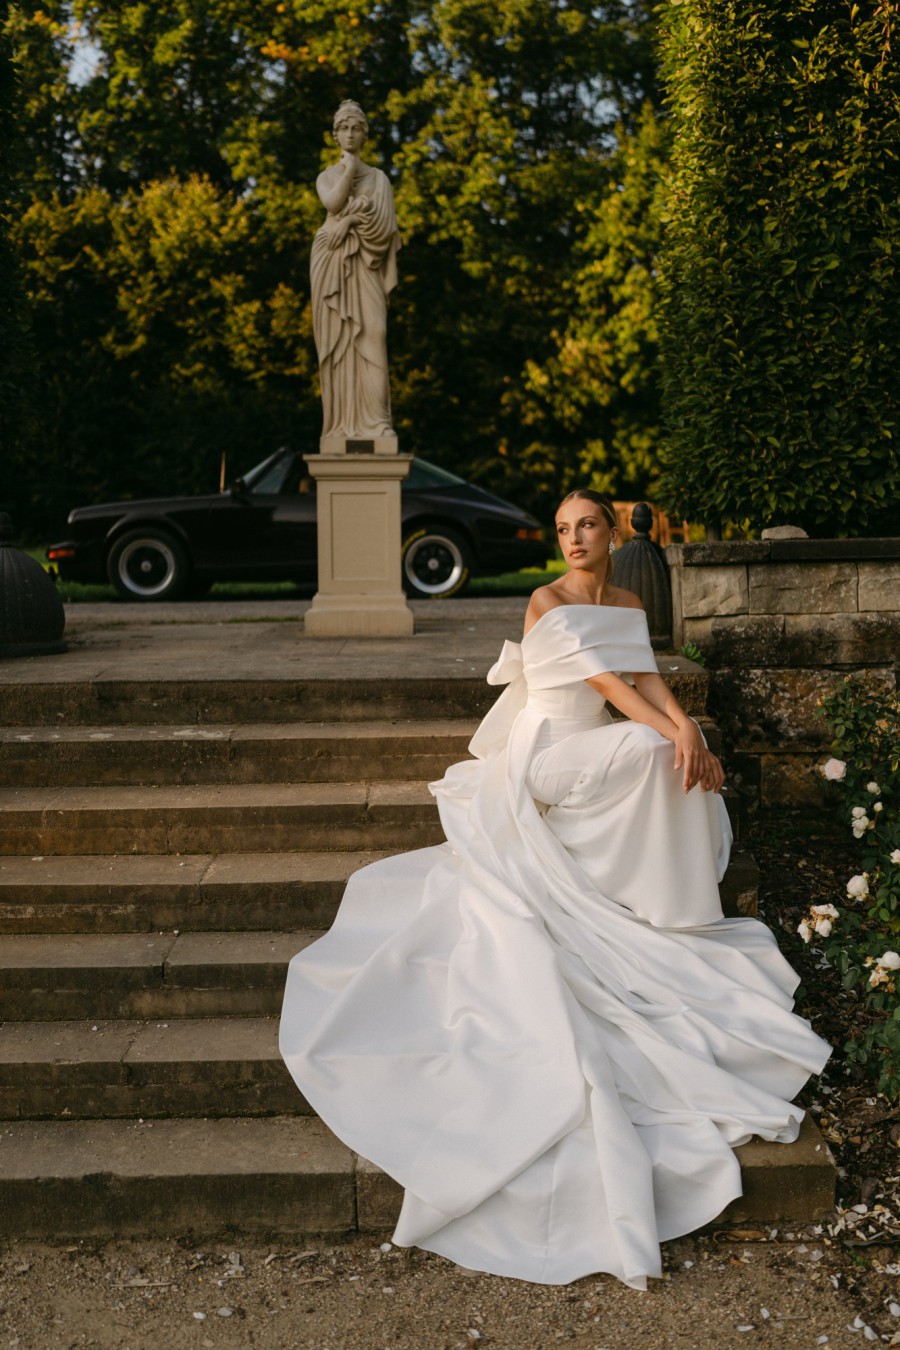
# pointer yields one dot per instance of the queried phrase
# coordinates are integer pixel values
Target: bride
(545, 1028)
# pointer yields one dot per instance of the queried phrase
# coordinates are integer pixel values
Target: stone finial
(641, 567)
(32, 618)
(784, 532)
(642, 520)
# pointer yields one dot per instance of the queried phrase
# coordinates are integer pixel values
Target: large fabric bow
(493, 733)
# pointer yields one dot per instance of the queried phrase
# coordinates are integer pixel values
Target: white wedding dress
(544, 1028)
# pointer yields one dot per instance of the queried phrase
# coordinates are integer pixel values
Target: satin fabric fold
(554, 1044)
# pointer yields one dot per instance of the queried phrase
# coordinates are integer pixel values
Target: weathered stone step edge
(218, 818)
(113, 976)
(183, 1067)
(276, 1176)
(236, 1175)
(139, 893)
(282, 752)
(52, 977)
(150, 702)
(133, 893)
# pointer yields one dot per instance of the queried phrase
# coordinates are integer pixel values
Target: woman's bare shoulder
(624, 599)
(542, 601)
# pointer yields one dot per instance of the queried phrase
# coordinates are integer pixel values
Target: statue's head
(347, 113)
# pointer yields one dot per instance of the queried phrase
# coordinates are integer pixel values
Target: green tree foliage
(779, 272)
(592, 409)
(171, 208)
(15, 363)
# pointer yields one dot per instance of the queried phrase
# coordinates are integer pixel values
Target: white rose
(889, 960)
(858, 886)
(858, 812)
(824, 927)
(860, 825)
(895, 856)
(873, 788)
(828, 911)
(834, 770)
(805, 931)
(879, 806)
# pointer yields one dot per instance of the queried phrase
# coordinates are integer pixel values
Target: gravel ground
(719, 1290)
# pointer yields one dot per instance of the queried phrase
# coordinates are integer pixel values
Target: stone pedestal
(358, 516)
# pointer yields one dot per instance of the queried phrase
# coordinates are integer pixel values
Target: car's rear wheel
(437, 562)
(148, 565)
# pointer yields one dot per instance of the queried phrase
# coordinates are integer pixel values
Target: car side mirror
(238, 489)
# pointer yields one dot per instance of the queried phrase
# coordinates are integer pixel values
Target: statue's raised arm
(353, 270)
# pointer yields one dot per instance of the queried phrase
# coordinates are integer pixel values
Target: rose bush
(860, 938)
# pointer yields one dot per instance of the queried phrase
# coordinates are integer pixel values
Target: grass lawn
(510, 583)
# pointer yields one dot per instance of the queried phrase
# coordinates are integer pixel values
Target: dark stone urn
(641, 567)
(32, 618)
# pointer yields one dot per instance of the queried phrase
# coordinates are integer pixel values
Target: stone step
(46, 757)
(305, 752)
(217, 818)
(739, 888)
(110, 1178)
(139, 893)
(184, 1067)
(105, 702)
(284, 1176)
(220, 818)
(138, 975)
(200, 973)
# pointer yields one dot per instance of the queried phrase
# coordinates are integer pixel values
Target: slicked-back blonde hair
(590, 495)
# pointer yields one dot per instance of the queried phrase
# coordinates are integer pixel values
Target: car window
(288, 474)
(273, 480)
(424, 475)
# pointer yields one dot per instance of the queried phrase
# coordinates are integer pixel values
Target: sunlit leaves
(170, 210)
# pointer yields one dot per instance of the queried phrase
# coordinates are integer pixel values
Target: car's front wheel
(436, 562)
(148, 565)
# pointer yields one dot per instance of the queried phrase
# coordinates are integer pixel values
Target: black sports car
(264, 528)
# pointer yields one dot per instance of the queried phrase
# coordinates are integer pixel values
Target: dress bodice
(546, 671)
(572, 643)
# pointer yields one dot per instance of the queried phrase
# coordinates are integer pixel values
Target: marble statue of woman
(353, 270)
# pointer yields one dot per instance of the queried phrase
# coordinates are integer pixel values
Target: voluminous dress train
(544, 1028)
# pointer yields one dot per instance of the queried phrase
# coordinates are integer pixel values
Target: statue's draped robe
(350, 288)
(544, 1028)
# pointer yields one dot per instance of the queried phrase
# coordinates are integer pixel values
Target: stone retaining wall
(778, 622)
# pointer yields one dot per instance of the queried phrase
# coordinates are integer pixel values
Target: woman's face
(584, 534)
(350, 134)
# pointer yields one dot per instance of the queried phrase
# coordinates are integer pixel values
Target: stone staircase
(164, 850)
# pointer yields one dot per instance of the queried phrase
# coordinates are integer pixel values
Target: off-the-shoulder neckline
(621, 609)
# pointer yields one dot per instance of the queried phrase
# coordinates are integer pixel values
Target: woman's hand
(340, 230)
(700, 764)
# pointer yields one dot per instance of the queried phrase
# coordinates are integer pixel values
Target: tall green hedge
(781, 298)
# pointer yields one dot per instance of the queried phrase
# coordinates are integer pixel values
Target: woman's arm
(654, 705)
(654, 689)
(333, 186)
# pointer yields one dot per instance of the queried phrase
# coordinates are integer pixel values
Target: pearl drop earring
(612, 547)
